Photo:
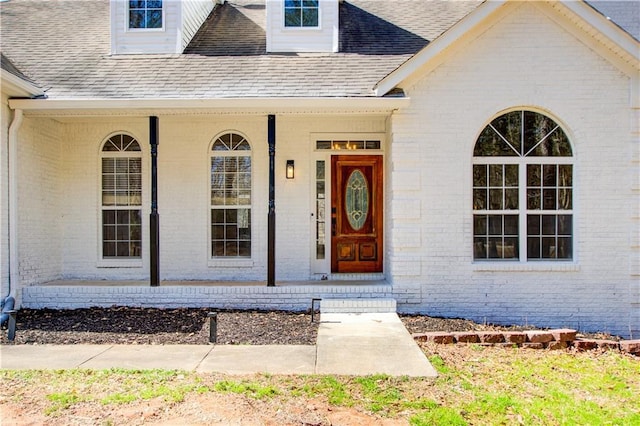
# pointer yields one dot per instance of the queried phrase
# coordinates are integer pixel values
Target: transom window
(121, 198)
(231, 197)
(348, 145)
(301, 13)
(523, 189)
(145, 14)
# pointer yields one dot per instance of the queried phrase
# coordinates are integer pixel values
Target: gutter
(17, 86)
(271, 104)
(13, 200)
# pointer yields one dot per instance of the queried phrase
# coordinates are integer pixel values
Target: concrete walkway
(347, 344)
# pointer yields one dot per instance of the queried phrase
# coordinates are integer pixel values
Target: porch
(286, 295)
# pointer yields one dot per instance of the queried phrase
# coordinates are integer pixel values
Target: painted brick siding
(524, 60)
(40, 194)
(295, 298)
(184, 194)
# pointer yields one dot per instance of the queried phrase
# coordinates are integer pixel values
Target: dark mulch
(124, 325)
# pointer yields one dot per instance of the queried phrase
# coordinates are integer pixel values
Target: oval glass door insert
(357, 200)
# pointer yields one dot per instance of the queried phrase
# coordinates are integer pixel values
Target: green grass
(478, 386)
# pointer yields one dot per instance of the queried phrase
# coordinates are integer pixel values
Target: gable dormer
(302, 25)
(155, 26)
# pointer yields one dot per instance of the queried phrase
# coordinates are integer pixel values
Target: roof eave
(254, 105)
(15, 86)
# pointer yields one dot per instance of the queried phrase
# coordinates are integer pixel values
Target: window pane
(533, 225)
(479, 225)
(511, 199)
(548, 248)
(565, 175)
(549, 176)
(292, 17)
(549, 199)
(565, 248)
(154, 19)
(556, 145)
(310, 18)
(495, 175)
(534, 199)
(537, 127)
(533, 248)
(480, 199)
(479, 248)
(511, 225)
(534, 173)
(495, 225)
(548, 225)
(136, 19)
(565, 225)
(511, 175)
(509, 126)
(479, 175)
(493, 249)
(495, 199)
(489, 144)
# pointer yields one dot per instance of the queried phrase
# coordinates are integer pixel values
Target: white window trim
(229, 262)
(523, 264)
(127, 28)
(301, 27)
(101, 262)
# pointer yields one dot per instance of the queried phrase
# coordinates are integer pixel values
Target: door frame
(321, 268)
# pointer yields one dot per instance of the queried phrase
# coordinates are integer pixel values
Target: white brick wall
(525, 60)
(39, 201)
(293, 297)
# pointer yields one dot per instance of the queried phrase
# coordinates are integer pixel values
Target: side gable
(578, 18)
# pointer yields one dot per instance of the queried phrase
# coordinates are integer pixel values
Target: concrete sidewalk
(347, 344)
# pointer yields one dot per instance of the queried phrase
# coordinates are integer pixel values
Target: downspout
(9, 301)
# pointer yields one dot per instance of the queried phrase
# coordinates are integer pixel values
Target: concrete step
(356, 306)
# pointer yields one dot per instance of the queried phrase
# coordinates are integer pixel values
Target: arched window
(231, 196)
(121, 198)
(523, 189)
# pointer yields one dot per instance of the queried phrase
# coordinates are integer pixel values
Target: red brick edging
(534, 339)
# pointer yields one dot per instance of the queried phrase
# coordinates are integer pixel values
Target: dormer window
(301, 13)
(145, 14)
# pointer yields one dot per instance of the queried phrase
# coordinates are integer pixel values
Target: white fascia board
(220, 104)
(438, 45)
(596, 19)
(15, 86)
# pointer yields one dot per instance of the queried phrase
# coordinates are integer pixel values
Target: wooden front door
(356, 213)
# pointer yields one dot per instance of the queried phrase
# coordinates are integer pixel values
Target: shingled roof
(64, 46)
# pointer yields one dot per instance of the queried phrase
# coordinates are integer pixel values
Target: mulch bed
(126, 325)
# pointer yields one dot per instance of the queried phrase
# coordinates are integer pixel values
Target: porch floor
(202, 283)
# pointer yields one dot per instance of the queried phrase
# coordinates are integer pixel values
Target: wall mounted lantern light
(290, 169)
